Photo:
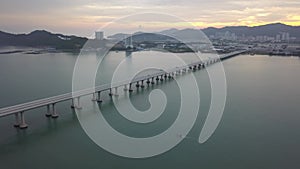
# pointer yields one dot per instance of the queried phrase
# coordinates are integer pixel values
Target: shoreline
(36, 51)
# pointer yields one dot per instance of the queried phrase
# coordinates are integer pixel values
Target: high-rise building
(99, 35)
(283, 36)
(287, 36)
(277, 37)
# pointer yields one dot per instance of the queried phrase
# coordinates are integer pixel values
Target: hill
(268, 30)
(42, 38)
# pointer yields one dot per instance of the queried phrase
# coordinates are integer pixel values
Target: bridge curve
(19, 109)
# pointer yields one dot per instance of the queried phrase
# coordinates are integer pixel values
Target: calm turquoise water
(259, 128)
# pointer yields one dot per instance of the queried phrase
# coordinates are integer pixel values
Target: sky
(83, 17)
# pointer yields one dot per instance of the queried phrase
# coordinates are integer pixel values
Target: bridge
(19, 110)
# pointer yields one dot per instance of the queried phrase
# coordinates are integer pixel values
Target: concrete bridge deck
(75, 96)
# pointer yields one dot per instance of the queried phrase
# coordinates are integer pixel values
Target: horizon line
(54, 32)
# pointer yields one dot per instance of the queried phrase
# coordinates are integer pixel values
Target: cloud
(85, 15)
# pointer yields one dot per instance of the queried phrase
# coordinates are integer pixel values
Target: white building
(99, 35)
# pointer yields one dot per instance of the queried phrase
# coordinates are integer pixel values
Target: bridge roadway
(51, 101)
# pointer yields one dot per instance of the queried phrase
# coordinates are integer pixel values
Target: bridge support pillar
(17, 122)
(152, 80)
(130, 87)
(116, 91)
(137, 84)
(148, 82)
(110, 92)
(161, 78)
(94, 97)
(54, 113)
(142, 84)
(48, 113)
(125, 87)
(99, 97)
(23, 124)
(78, 104)
(72, 103)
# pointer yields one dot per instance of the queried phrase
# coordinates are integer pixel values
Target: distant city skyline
(84, 17)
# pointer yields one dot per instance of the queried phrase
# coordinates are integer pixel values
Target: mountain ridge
(269, 30)
(272, 29)
(42, 38)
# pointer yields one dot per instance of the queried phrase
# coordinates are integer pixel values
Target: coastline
(36, 51)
